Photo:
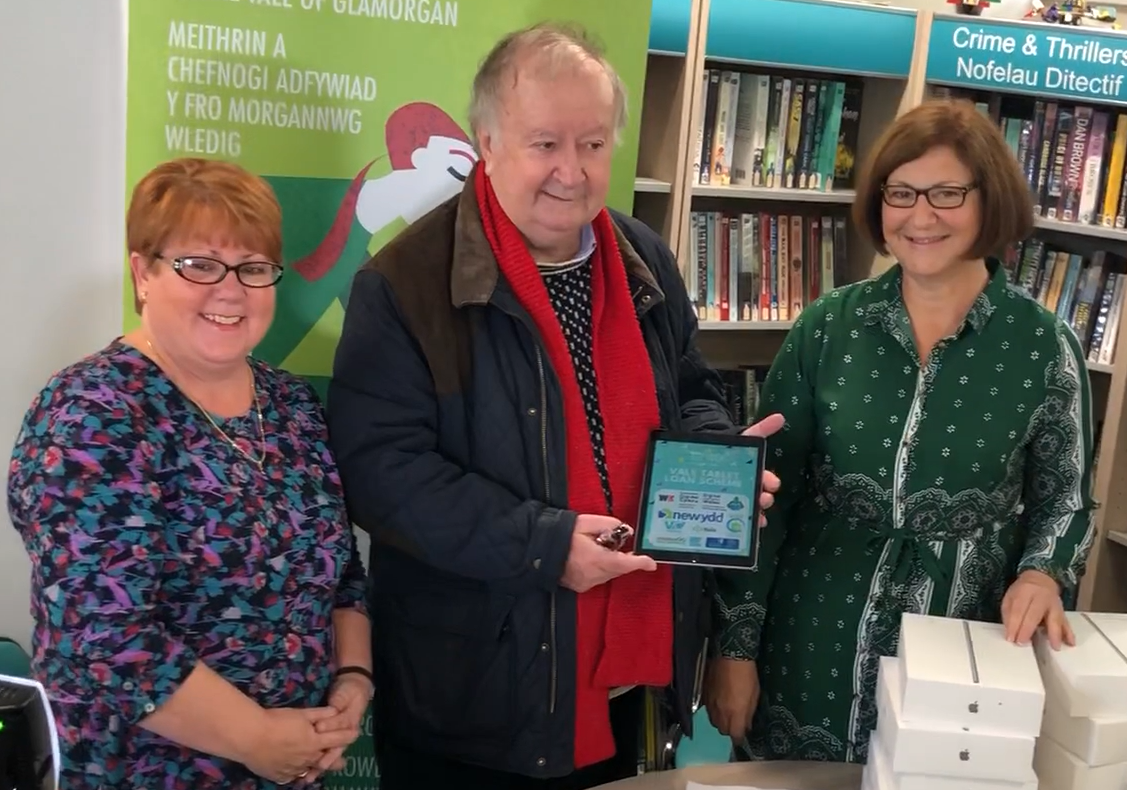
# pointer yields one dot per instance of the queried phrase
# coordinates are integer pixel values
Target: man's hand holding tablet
(704, 495)
(596, 555)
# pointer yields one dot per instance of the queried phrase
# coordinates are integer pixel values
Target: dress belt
(908, 547)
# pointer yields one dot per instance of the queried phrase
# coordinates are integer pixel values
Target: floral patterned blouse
(155, 545)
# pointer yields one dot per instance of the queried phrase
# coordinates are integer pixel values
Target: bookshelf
(1065, 136)
(779, 89)
(1078, 207)
(893, 58)
(659, 201)
(666, 106)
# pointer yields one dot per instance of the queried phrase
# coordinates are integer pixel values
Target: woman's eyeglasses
(201, 270)
(943, 196)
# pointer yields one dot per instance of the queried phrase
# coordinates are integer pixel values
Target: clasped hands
(301, 744)
(589, 564)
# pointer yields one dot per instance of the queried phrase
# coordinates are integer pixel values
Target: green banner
(324, 96)
(360, 772)
(335, 103)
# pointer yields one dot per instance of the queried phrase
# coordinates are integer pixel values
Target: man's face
(548, 153)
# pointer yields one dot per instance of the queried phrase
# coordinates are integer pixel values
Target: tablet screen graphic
(701, 500)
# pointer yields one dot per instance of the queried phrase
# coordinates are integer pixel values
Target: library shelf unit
(788, 71)
(893, 58)
(663, 141)
(659, 195)
(1071, 145)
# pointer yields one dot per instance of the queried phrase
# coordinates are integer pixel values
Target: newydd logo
(675, 519)
(690, 516)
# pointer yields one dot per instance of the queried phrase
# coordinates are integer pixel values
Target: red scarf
(625, 627)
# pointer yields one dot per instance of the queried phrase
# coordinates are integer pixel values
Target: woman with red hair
(198, 598)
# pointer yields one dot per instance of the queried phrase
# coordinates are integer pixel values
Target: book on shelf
(762, 266)
(1072, 155)
(742, 387)
(764, 130)
(1086, 292)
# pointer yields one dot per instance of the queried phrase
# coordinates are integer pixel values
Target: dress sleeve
(352, 592)
(83, 495)
(1057, 498)
(741, 596)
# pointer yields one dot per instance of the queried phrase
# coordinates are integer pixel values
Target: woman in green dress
(936, 457)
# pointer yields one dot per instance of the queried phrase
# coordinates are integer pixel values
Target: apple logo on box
(964, 755)
(973, 707)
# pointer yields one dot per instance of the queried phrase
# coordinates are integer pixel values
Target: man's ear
(486, 148)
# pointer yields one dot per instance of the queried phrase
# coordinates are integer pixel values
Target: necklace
(261, 458)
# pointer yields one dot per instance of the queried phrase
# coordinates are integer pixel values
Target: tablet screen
(701, 499)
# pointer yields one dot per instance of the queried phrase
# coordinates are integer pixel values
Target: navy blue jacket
(447, 424)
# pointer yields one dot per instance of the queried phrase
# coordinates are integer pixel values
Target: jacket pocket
(445, 664)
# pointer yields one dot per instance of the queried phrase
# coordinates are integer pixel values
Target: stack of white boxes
(959, 708)
(1083, 743)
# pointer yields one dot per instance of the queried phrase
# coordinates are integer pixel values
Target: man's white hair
(546, 48)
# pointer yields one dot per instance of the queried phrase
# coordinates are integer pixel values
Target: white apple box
(871, 774)
(1096, 740)
(878, 775)
(964, 673)
(1089, 678)
(923, 747)
(1060, 769)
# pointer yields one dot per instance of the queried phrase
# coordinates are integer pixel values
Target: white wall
(62, 206)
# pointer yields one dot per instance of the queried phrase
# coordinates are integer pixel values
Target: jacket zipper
(547, 498)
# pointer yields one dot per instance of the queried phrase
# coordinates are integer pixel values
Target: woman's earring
(144, 296)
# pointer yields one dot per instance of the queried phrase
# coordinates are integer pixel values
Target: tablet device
(700, 500)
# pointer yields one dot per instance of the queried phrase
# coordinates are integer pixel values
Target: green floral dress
(905, 488)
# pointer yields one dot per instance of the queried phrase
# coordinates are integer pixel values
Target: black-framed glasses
(941, 196)
(202, 270)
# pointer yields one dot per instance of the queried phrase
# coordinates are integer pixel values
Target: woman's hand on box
(1034, 600)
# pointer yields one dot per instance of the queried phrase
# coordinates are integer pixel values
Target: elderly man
(502, 364)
